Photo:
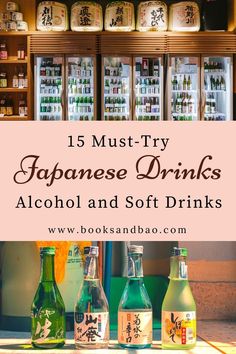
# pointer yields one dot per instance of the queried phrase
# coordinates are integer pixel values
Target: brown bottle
(9, 106)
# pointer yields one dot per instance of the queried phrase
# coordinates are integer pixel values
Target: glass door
(80, 88)
(148, 79)
(184, 85)
(49, 74)
(217, 88)
(116, 87)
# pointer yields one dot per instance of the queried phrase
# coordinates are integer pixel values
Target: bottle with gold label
(135, 308)
(178, 308)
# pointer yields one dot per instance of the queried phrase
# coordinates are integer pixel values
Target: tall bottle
(135, 308)
(91, 308)
(48, 309)
(178, 308)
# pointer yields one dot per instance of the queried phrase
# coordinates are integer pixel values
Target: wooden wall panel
(201, 42)
(64, 43)
(133, 43)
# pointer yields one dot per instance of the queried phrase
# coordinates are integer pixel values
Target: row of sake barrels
(119, 16)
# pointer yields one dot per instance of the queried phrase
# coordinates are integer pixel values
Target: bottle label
(47, 325)
(179, 327)
(135, 327)
(91, 327)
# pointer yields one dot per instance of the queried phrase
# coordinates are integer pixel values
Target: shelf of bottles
(80, 88)
(216, 80)
(147, 89)
(184, 86)
(117, 84)
(49, 88)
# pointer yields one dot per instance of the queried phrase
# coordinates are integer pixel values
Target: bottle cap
(48, 250)
(135, 249)
(180, 252)
(91, 251)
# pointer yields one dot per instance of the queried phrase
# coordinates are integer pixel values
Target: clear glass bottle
(135, 308)
(91, 308)
(48, 309)
(178, 308)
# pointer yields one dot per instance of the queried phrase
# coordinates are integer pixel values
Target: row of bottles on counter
(213, 66)
(147, 105)
(115, 104)
(4, 51)
(80, 117)
(51, 86)
(148, 86)
(114, 117)
(184, 103)
(80, 86)
(183, 83)
(116, 87)
(19, 79)
(216, 83)
(49, 68)
(135, 311)
(7, 106)
(149, 117)
(81, 104)
(83, 69)
(50, 104)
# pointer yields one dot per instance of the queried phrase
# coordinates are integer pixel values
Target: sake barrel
(119, 16)
(152, 16)
(184, 16)
(52, 16)
(86, 16)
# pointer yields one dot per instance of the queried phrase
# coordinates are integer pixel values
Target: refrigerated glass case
(80, 88)
(217, 89)
(65, 87)
(184, 88)
(49, 87)
(116, 87)
(148, 88)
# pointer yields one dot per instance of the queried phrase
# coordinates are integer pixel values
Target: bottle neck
(178, 268)
(47, 268)
(135, 266)
(91, 268)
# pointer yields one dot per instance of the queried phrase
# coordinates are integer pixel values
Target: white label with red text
(135, 327)
(91, 327)
(179, 327)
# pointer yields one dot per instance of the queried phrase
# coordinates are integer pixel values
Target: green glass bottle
(178, 308)
(135, 308)
(91, 308)
(48, 309)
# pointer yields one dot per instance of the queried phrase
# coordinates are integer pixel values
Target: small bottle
(91, 308)
(135, 308)
(178, 308)
(9, 106)
(48, 309)
(3, 51)
(22, 107)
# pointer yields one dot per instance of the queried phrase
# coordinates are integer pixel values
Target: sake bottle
(135, 308)
(91, 308)
(178, 308)
(48, 309)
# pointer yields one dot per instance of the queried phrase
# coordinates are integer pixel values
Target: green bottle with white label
(48, 310)
(178, 308)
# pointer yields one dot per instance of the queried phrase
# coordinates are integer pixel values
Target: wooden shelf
(8, 118)
(14, 60)
(13, 90)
